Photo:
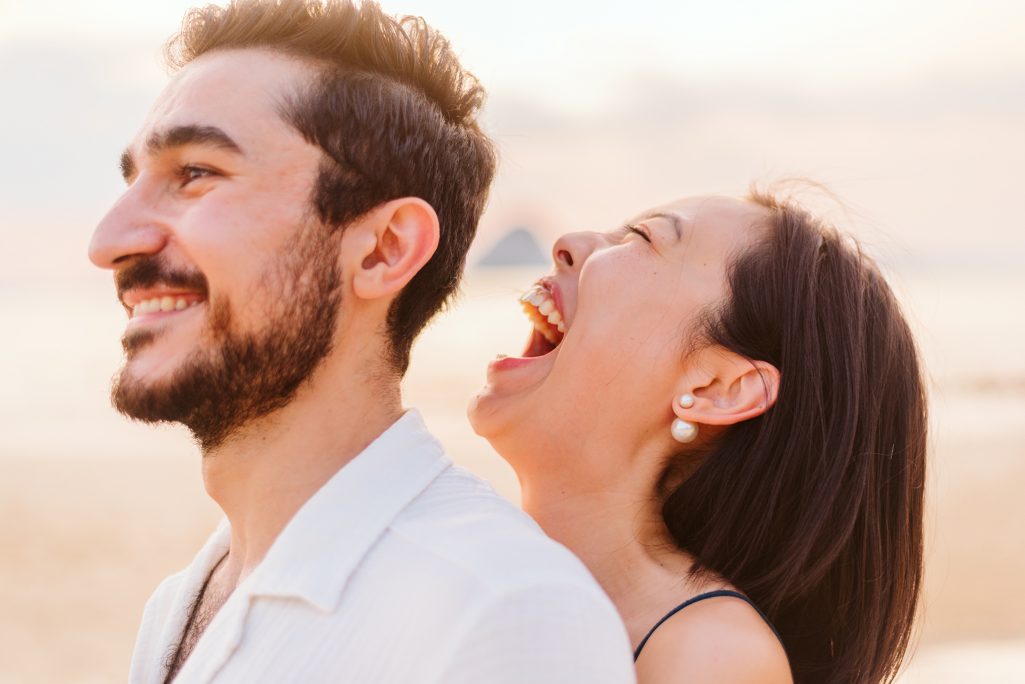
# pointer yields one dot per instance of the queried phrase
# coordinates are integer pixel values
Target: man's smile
(153, 304)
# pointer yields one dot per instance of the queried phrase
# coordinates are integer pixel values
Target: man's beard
(241, 377)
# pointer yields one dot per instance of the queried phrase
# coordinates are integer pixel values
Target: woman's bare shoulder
(721, 639)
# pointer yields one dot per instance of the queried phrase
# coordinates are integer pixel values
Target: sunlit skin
(203, 207)
(587, 425)
(230, 215)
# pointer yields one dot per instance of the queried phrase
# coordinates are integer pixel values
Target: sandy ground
(85, 541)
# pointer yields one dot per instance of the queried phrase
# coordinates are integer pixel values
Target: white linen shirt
(401, 568)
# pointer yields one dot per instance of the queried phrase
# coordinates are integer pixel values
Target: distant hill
(518, 247)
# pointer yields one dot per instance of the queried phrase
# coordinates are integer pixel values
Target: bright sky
(914, 109)
(568, 48)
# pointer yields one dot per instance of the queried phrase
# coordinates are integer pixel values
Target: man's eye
(188, 173)
(635, 229)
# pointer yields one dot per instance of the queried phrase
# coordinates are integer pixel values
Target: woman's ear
(389, 246)
(720, 387)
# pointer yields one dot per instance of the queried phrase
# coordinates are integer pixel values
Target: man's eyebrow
(180, 136)
(676, 219)
(127, 165)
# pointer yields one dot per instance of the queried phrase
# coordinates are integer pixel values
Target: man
(299, 204)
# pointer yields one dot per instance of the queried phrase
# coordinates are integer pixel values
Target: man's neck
(264, 473)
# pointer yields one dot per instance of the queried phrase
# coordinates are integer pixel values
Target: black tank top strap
(702, 597)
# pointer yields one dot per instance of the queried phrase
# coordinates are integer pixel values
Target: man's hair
(394, 113)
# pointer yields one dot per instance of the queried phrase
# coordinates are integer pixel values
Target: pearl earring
(683, 431)
(687, 401)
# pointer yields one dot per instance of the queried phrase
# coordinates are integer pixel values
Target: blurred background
(913, 112)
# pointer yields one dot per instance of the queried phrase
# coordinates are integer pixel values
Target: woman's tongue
(537, 345)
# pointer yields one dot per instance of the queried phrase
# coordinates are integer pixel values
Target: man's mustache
(148, 272)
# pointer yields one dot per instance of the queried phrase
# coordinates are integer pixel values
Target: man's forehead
(240, 91)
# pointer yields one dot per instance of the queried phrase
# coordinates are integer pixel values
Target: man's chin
(154, 363)
(134, 342)
(147, 401)
(154, 387)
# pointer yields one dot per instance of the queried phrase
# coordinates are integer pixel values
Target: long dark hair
(815, 508)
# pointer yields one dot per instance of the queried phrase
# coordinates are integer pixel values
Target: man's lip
(132, 297)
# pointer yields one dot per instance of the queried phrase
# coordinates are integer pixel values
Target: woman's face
(627, 300)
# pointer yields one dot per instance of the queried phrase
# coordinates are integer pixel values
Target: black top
(702, 597)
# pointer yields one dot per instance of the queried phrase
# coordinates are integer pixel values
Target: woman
(720, 410)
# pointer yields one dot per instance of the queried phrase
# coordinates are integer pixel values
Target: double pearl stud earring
(683, 431)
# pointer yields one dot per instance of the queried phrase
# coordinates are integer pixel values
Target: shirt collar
(321, 546)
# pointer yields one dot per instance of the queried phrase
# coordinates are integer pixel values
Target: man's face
(231, 285)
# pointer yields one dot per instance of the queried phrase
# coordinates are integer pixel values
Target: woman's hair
(814, 509)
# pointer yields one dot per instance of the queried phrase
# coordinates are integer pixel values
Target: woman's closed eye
(639, 231)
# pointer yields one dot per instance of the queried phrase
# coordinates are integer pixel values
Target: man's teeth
(162, 304)
(540, 306)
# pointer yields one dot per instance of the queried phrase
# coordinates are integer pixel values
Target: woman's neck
(620, 537)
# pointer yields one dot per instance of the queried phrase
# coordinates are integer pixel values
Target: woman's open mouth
(549, 326)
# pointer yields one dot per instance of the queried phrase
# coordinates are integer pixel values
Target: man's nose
(131, 228)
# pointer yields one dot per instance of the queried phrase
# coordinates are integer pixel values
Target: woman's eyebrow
(676, 220)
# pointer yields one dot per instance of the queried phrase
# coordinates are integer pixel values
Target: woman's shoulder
(720, 639)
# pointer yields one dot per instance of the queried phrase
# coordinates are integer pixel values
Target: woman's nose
(572, 249)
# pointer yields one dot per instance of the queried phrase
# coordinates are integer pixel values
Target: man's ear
(389, 246)
(725, 388)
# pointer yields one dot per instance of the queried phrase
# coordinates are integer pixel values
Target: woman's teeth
(540, 308)
(162, 304)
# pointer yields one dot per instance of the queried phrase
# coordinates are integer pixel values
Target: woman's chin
(511, 382)
(477, 413)
(501, 423)
(490, 413)
(508, 395)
